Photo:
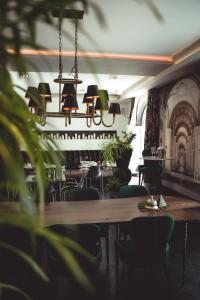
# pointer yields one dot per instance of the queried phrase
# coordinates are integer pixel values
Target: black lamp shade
(92, 91)
(70, 103)
(44, 89)
(101, 104)
(103, 94)
(86, 100)
(68, 89)
(34, 97)
(115, 109)
(31, 92)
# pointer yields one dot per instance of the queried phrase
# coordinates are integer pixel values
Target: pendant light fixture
(97, 101)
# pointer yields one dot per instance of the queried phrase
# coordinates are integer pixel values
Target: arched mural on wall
(182, 127)
(182, 122)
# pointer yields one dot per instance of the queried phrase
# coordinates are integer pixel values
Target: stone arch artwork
(182, 130)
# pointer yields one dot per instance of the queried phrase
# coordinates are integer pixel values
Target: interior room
(100, 149)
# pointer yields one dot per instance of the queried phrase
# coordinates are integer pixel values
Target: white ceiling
(131, 28)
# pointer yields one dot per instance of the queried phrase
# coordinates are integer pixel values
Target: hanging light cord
(60, 50)
(60, 62)
(74, 69)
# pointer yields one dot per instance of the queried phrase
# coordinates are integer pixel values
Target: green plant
(117, 146)
(19, 131)
(113, 185)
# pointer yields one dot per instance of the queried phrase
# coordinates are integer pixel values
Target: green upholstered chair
(149, 243)
(127, 191)
(82, 194)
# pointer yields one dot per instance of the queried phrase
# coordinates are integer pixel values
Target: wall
(137, 125)
(180, 131)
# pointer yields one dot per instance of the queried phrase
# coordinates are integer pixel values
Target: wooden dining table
(112, 211)
(115, 211)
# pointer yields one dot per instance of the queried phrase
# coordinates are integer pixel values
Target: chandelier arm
(69, 117)
(66, 121)
(110, 124)
(43, 118)
(89, 122)
(100, 121)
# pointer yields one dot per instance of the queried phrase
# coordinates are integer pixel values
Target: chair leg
(139, 177)
(117, 232)
(165, 269)
(107, 251)
(116, 266)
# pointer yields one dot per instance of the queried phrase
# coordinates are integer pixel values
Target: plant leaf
(15, 289)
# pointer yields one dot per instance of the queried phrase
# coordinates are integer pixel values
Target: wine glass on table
(153, 151)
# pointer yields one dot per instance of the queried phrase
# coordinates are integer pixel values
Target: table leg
(101, 184)
(184, 254)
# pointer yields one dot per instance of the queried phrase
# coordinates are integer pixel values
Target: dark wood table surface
(111, 210)
(116, 210)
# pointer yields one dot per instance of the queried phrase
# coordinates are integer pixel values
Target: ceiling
(132, 44)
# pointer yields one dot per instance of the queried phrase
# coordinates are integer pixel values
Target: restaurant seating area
(121, 268)
(99, 150)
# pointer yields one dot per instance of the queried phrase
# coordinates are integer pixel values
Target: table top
(112, 210)
(155, 158)
(78, 173)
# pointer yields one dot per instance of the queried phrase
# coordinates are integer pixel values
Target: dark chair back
(150, 236)
(81, 194)
(132, 191)
(87, 236)
(94, 172)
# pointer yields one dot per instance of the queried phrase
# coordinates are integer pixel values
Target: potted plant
(119, 150)
(113, 187)
(20, 131)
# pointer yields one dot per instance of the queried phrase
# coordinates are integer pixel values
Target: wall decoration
(78, 135)
(180, 113)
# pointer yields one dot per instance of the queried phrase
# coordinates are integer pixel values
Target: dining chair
(132, 191)
(126, 192)
(94, 178)
(149, 168)
(90, 193)
(70, 183)
(148, 246)
(86, 236)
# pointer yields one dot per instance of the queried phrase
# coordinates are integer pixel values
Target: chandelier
(96, 100)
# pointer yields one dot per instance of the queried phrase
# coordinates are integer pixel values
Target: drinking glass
(153, 151)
